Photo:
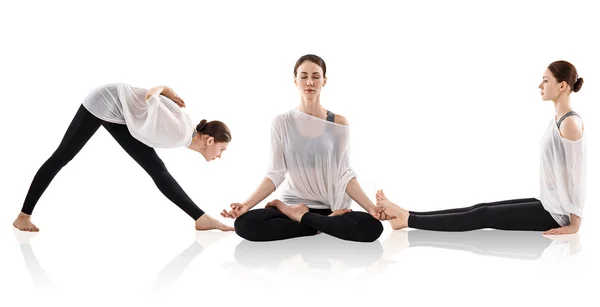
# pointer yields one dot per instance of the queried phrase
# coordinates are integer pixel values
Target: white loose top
(313, 155)
(562, 175)
(158, 122)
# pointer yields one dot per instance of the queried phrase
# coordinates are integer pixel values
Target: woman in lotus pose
(139, 120)
(562, 180)
(310, 145)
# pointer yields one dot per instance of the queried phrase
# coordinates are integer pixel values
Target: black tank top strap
(565, 116)
(330, 116)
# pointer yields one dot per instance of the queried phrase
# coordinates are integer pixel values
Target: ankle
(24, 216)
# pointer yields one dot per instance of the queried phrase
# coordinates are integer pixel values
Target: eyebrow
(314, 73)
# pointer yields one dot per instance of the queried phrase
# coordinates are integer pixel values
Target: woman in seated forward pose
(139, 120)
(562, 179)
(309, 144)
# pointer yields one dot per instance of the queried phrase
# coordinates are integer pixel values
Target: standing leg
(269, 224)
(81, 129)
(147, 158)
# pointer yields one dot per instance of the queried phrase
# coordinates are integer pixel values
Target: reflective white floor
(97, 267)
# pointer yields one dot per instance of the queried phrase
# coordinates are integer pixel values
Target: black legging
(270, 224)
(516, 214)
(81, 129)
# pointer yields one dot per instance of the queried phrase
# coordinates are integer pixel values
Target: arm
(266, 188)
(357, 194)
(355, 191)
(571, 130)
(275, 176)
(167, 92)
(157, 90)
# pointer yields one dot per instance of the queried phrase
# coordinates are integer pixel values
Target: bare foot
(293, 212)
(206, 222)
(23, 223)
(340, 212)
(401, 220)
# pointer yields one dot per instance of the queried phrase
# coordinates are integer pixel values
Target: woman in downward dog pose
(310, 145)
(562, 179)
(139, 120)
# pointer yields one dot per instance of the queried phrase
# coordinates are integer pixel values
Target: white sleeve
(277, 166)
(575, 158)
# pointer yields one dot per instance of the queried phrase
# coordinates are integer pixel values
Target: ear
(563, 86)
(324, 81)
(210, 140)
(296, 81)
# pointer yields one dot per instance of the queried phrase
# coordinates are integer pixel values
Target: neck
(311, 106)
(562, 105)
(197, 144)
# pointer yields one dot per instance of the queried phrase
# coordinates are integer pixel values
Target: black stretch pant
(516, 214)
(270, 224)
(81, 129)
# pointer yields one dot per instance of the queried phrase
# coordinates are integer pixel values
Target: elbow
(276, 177)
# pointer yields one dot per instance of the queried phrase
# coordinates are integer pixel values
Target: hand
(378, 212)
(565, 230)
(169, 93)
(236, 211)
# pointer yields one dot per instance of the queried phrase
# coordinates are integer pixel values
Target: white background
(445, 111)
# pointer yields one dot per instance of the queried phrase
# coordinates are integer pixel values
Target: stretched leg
(351, 226)
(529, 215)
(525, 216)
(269, 224)
(81, 129)
(473, 217)
(465, 209)
(147, 158)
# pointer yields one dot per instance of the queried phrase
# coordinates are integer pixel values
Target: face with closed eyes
(309, 80)
(550, 88)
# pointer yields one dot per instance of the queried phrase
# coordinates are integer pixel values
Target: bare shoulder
(572, 128)
(341, 120)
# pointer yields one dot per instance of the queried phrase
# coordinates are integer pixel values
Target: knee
(370, 228)
(244, 227)
(374, 230)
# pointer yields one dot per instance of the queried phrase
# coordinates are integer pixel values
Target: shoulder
(281, 118)
(341, 120)
(571, 128)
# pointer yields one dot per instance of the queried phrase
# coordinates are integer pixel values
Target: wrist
(247, 205)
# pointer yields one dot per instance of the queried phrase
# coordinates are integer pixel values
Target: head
(309, 75)
(559, 79)
(214, 137)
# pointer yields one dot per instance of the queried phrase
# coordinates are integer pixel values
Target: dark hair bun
(201, 125)
(578, 84)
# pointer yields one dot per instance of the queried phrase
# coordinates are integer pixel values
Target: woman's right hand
(236, 211)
